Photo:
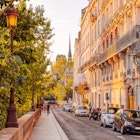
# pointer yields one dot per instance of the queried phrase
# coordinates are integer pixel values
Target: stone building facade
(107, 54)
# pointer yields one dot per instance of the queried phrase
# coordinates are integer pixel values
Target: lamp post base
(12, 112)
(32, 107)
(12, 124)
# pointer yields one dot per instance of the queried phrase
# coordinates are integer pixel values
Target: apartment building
(106, 57)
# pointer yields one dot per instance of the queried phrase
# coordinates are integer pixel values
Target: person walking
(92, 114)
(48, 108)
(44, 107)
(90, 107)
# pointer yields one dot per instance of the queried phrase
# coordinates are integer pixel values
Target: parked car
(107, 116)
(66, 107)
(127, 121)
(69, 107)
(81, 110)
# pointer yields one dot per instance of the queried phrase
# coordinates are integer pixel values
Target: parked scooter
(95, 114)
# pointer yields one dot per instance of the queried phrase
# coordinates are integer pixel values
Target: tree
(31, 44)
(62, 69)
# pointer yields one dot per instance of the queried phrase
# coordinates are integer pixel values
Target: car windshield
(132, 114)
(82, 107)
(112, 110)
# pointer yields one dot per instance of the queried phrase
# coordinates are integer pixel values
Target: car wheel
(101, 124)
(114, 127)
(104, 124)
(77, 115)
(122, 130)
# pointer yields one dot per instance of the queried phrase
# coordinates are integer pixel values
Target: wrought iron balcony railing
(122, 43)
(114, 49)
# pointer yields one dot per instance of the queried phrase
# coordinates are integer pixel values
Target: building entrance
(130, 98)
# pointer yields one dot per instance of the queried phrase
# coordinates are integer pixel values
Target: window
(138, 96)
(137, 14)
(128, 65)
(111, 39)
(95, 79)
(116, 34)
(103, 46)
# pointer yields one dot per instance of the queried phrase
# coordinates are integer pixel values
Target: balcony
(82, 88)
(93, 17)
(114, 49)
(105, 2)
(121, 44)
(88, 64)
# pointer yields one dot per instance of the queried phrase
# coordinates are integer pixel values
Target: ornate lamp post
(11, 16)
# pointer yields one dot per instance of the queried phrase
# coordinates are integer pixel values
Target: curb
(60, 130)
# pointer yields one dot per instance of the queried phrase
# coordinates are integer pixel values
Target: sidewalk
(47, 128)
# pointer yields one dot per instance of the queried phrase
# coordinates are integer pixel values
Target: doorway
(130, 98)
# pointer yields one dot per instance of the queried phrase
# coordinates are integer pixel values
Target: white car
(107, 116)
(81, 110)
(69, 108)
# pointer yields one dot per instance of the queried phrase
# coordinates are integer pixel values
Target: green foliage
(62, 70)
(26, 69)
(4, 100)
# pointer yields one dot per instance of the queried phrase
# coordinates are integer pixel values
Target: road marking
(121, 137)
(137, 136)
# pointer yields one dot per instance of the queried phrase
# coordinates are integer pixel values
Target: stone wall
(26, 124)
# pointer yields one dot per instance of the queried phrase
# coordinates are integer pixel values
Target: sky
(65, 16)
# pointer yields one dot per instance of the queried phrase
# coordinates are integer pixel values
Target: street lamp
(11, 16)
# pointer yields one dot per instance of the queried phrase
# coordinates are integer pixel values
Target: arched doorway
(130, 98)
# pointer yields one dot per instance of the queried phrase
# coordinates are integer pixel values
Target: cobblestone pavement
(81, 128)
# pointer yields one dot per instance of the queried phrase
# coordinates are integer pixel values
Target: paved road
(81, 128)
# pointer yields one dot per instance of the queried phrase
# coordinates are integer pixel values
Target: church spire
(69, 53)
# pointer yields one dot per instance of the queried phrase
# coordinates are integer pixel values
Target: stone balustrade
(26, 124)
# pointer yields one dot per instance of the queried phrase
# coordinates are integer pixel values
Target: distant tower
(69, 53)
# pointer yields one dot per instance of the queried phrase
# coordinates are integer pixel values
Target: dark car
(127, 121)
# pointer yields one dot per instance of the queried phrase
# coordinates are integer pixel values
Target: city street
(81, 128)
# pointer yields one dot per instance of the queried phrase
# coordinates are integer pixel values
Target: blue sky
(65, 19)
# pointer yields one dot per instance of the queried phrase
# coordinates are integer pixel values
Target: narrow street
(81, 128)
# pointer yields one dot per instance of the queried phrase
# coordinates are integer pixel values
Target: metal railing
(115, 48)
(121, 44)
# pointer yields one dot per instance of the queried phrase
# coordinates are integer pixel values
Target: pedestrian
(92, 113)
(90, 107)
(44, 107)
(48, 108)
